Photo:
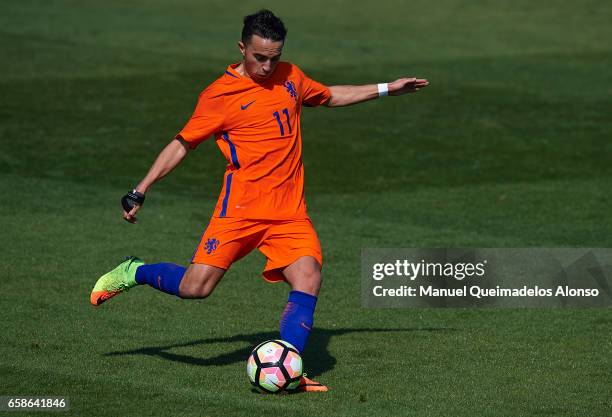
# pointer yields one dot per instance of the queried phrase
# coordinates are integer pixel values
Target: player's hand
(406, 85)
(131, 203)
(131, 216)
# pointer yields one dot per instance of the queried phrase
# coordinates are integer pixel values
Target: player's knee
(204, 290)
(314, 276)
(309, 282)
(315, 280)
(196, 289)
(198, 285)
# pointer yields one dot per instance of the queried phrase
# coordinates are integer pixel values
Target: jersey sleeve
(313, 92)
(207, 119)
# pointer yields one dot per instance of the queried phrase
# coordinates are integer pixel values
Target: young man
(253, 110)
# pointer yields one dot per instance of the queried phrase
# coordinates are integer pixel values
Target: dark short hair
(265, 24)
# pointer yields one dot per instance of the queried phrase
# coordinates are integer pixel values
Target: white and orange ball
(275, 366)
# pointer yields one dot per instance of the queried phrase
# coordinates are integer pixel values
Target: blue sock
(165, 277)
(297, 319)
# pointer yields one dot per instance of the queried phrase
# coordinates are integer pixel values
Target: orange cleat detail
(98, 297)
(308, 385)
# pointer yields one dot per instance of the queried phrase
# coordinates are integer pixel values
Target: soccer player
(253, 110)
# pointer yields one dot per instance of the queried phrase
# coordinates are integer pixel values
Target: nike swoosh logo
(246, 106)
(304, 326)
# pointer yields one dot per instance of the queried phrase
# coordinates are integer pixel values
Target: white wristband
(383, 90)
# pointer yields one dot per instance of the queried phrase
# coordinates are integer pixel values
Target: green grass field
(509, 147)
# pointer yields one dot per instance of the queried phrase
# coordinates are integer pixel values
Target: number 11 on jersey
(280, 123)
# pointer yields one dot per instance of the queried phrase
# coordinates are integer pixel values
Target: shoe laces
(122, 286)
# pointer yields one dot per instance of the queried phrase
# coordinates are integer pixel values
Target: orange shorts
(226, 239)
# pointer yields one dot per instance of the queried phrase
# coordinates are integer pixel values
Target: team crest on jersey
(210, 245)
(290, 86)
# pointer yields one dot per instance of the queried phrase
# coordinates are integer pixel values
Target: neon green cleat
(120, 279)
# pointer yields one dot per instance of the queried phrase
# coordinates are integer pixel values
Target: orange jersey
(257, 128)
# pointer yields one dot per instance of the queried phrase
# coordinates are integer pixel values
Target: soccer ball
(275, 366)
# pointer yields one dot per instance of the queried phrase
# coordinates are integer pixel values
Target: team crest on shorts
(290, 86)
(210, 245)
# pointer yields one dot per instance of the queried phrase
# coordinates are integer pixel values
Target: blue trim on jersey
(228, 186)
(229, 73)
(232, 150)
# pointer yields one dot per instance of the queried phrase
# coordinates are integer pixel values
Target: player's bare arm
(345, 95)
(166, 161)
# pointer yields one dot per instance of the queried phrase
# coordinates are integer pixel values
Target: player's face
(260, 57)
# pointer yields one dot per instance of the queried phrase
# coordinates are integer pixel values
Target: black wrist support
(132, 198)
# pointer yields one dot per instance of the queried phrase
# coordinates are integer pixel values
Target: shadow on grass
(316, 356)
